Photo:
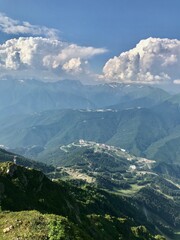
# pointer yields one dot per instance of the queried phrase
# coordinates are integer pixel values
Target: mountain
(142, 96)
(66, 212)
(133, 129)
(36, 117)
(150, 132)
(22, 97)
(167, 148)
(153, 187)
(29, 96)
(96, 156)
(102, 184)
(6, 156)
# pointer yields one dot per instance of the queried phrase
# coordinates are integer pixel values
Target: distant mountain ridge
(29, 96)
(37, 116)
(142, 131)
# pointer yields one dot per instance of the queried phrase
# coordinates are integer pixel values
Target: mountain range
(110, 153)
(29, 96)
(37, 116)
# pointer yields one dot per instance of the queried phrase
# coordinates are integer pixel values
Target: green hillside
(132, 129)
(34, 225)
(80, 213)
(153, 186)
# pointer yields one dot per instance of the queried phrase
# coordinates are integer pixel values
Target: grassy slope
(92, 214)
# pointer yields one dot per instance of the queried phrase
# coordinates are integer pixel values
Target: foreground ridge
(63, 211)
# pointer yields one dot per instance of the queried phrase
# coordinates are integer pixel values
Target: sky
(130, 41)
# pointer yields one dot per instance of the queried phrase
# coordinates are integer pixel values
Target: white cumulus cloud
(153, 60)
(44, 58)
(11, 26)
(73, 65)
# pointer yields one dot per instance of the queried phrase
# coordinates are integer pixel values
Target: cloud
(153, 60)
(73, 65)
(11, 26)
(44, 58)
(177, 81)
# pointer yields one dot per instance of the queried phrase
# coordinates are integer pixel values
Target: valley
(124, 151)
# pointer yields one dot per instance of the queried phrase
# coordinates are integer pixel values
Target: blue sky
(115, 25)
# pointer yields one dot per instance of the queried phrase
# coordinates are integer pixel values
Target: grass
(134, 189)
(32, 225)
(23, 225)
